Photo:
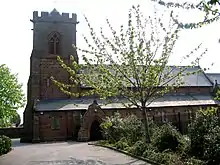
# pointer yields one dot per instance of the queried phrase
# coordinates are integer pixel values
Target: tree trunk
(146, 126)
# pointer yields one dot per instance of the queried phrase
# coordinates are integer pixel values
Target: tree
(210, 8)
(15, 119)
(11, 95)
(131, 66)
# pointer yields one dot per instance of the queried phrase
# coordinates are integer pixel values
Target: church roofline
(54, 11)
(54, 16)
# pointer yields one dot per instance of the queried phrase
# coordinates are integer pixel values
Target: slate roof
(165, 101)
(214, 76)
(197, 79)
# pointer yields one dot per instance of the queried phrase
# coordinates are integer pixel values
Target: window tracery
(54, 43)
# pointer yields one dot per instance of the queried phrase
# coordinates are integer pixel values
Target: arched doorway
(90, 128)
(95, 131)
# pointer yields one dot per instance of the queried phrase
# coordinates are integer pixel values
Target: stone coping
(126, 153)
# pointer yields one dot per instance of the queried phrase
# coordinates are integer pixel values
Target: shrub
(122, 144)
(132, 129)
(166, 158)
(204, 132)
(193, 161)
(115, 127)
(138, 148)
(170, 158)
(212, 147)
(5, 144)
(149, 153)
(112, 127)
(185, 149)
(199, 128)
(167, 137)
(152, 126)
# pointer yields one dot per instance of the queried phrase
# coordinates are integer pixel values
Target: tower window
(48, 82)
(54, 43)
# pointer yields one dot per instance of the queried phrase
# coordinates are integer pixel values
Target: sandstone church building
(52, 115)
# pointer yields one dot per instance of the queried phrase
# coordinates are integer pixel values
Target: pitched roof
(197, 79)
(214, 76)
(165, 101)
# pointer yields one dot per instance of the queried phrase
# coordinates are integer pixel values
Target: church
(52, 115)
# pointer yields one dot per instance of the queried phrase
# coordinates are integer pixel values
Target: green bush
(132, 129)
(212, 146)
(152, 127)
(5, 144)
(122, 144)
(166, 137)
(170, 158)
(166, 158)
(138, 148)
(116, 127)
(149, 153)
(199, 128)
(193, 161)
(112, 128)
(204, 133)
(185, 149)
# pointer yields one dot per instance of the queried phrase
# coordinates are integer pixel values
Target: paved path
(64, 153)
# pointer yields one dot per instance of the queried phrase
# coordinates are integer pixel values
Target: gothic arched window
(54, 43)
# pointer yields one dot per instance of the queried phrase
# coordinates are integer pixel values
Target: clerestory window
(54, 43)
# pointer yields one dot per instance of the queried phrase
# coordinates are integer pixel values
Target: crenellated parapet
(54, 16)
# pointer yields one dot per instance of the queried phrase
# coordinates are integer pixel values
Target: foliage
(130, 66)
(210, 7)
(5, 144)
(186, 148)
(167, 147)
(166, 158)
(132, 128)
(115, 127)
(15, 119)
(11, 95)
(112, 127)
(211, 146)
(170, 158)
(138, 148)
(193, 161)
(218, 94)
(166, 137)
(122, 144)
(205, 136)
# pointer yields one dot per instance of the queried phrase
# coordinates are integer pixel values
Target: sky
(17, 37)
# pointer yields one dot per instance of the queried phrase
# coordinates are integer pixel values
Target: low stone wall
(12, 132)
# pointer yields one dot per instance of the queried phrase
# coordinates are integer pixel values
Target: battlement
(54, 16)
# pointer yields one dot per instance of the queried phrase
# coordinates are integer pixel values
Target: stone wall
(94, 113)
(68, 122)
(12, 132)
(43, 65)
(50, 67)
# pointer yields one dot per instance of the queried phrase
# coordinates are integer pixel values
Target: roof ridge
(213, 73)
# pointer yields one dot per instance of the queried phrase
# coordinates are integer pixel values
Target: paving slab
(64, 153)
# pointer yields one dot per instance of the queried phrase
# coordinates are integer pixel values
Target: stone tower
(53, 35)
